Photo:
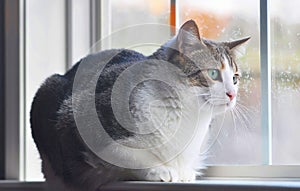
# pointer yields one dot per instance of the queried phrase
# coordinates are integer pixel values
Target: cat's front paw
(187, 176)
(162, 173)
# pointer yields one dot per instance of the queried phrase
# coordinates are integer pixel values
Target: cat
(120, 115)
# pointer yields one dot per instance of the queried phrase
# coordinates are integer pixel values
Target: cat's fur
(190, 104)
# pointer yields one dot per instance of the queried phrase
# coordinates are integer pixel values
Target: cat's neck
(166, 52)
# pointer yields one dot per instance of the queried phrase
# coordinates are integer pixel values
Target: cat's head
(211, 66)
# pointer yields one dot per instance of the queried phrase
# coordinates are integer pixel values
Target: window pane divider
(69, 34)
(2, 93)
(173, 16)
(99, 10)
(265, 67)
(12, 89)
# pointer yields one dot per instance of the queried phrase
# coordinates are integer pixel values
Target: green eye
(235, 79)
(214, 74)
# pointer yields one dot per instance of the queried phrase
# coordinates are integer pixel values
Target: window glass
(80, 29)
(45, 55)
(285, 60)
(138, 12)
(237, 138)
(125, 19)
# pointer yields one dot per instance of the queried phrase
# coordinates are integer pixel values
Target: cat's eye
(236, 77)
(214, 74)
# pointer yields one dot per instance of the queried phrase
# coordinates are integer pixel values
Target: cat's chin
(222, 108)
(231, 105)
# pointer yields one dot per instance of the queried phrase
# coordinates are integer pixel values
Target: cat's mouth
(221, 104)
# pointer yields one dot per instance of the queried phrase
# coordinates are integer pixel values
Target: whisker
(233, 118)
(217, 99)
(241, 120)
(199, 95)
(245, 108)
(245, 114)
(206, 102)
(245, 123)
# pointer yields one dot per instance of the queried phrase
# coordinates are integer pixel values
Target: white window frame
(14, 142)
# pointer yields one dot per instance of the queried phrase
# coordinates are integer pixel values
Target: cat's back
(57, 88)
(51, 96)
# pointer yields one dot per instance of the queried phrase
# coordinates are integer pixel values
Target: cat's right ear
(188, 36)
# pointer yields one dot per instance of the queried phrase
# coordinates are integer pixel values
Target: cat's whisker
(224, 101)
(245, 108)
(202, 94)
(205, 103)
(199, 95)
(239, 120)
(247, 122)
(242, 118)
(233, 118)
(246, 112)
(237, 115)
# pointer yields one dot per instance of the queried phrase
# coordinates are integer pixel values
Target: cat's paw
(162, 173)
(187, 176)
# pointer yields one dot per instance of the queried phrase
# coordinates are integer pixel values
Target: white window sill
(210, 184)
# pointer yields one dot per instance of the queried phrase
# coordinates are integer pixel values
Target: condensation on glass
(235, 138)
(285, 61)
(125, 20)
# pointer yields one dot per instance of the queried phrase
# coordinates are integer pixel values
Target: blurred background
(58, 33)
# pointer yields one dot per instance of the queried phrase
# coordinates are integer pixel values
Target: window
(285, 68)
(55, 34)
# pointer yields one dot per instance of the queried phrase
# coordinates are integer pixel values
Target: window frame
(2, 101)
(203, 185)
(11, 102)
(12, 60)
(265, 76)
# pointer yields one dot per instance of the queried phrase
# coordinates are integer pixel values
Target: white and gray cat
(154, 111)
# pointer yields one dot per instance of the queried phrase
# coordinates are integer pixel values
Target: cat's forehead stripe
(228, 62)
(222, 66)
(225, 62)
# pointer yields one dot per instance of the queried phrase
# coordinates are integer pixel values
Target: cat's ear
(236, 47)
(188, 35)
(236, 43)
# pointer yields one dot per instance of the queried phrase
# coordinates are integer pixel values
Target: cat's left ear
(236, 47)
(236, 43)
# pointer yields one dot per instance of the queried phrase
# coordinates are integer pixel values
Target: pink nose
(231, 95)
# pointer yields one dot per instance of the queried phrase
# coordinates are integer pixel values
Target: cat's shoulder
(117, 55)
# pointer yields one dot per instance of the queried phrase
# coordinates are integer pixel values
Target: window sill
(208, 184)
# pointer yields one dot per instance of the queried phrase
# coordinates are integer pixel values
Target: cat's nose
(231, 95)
